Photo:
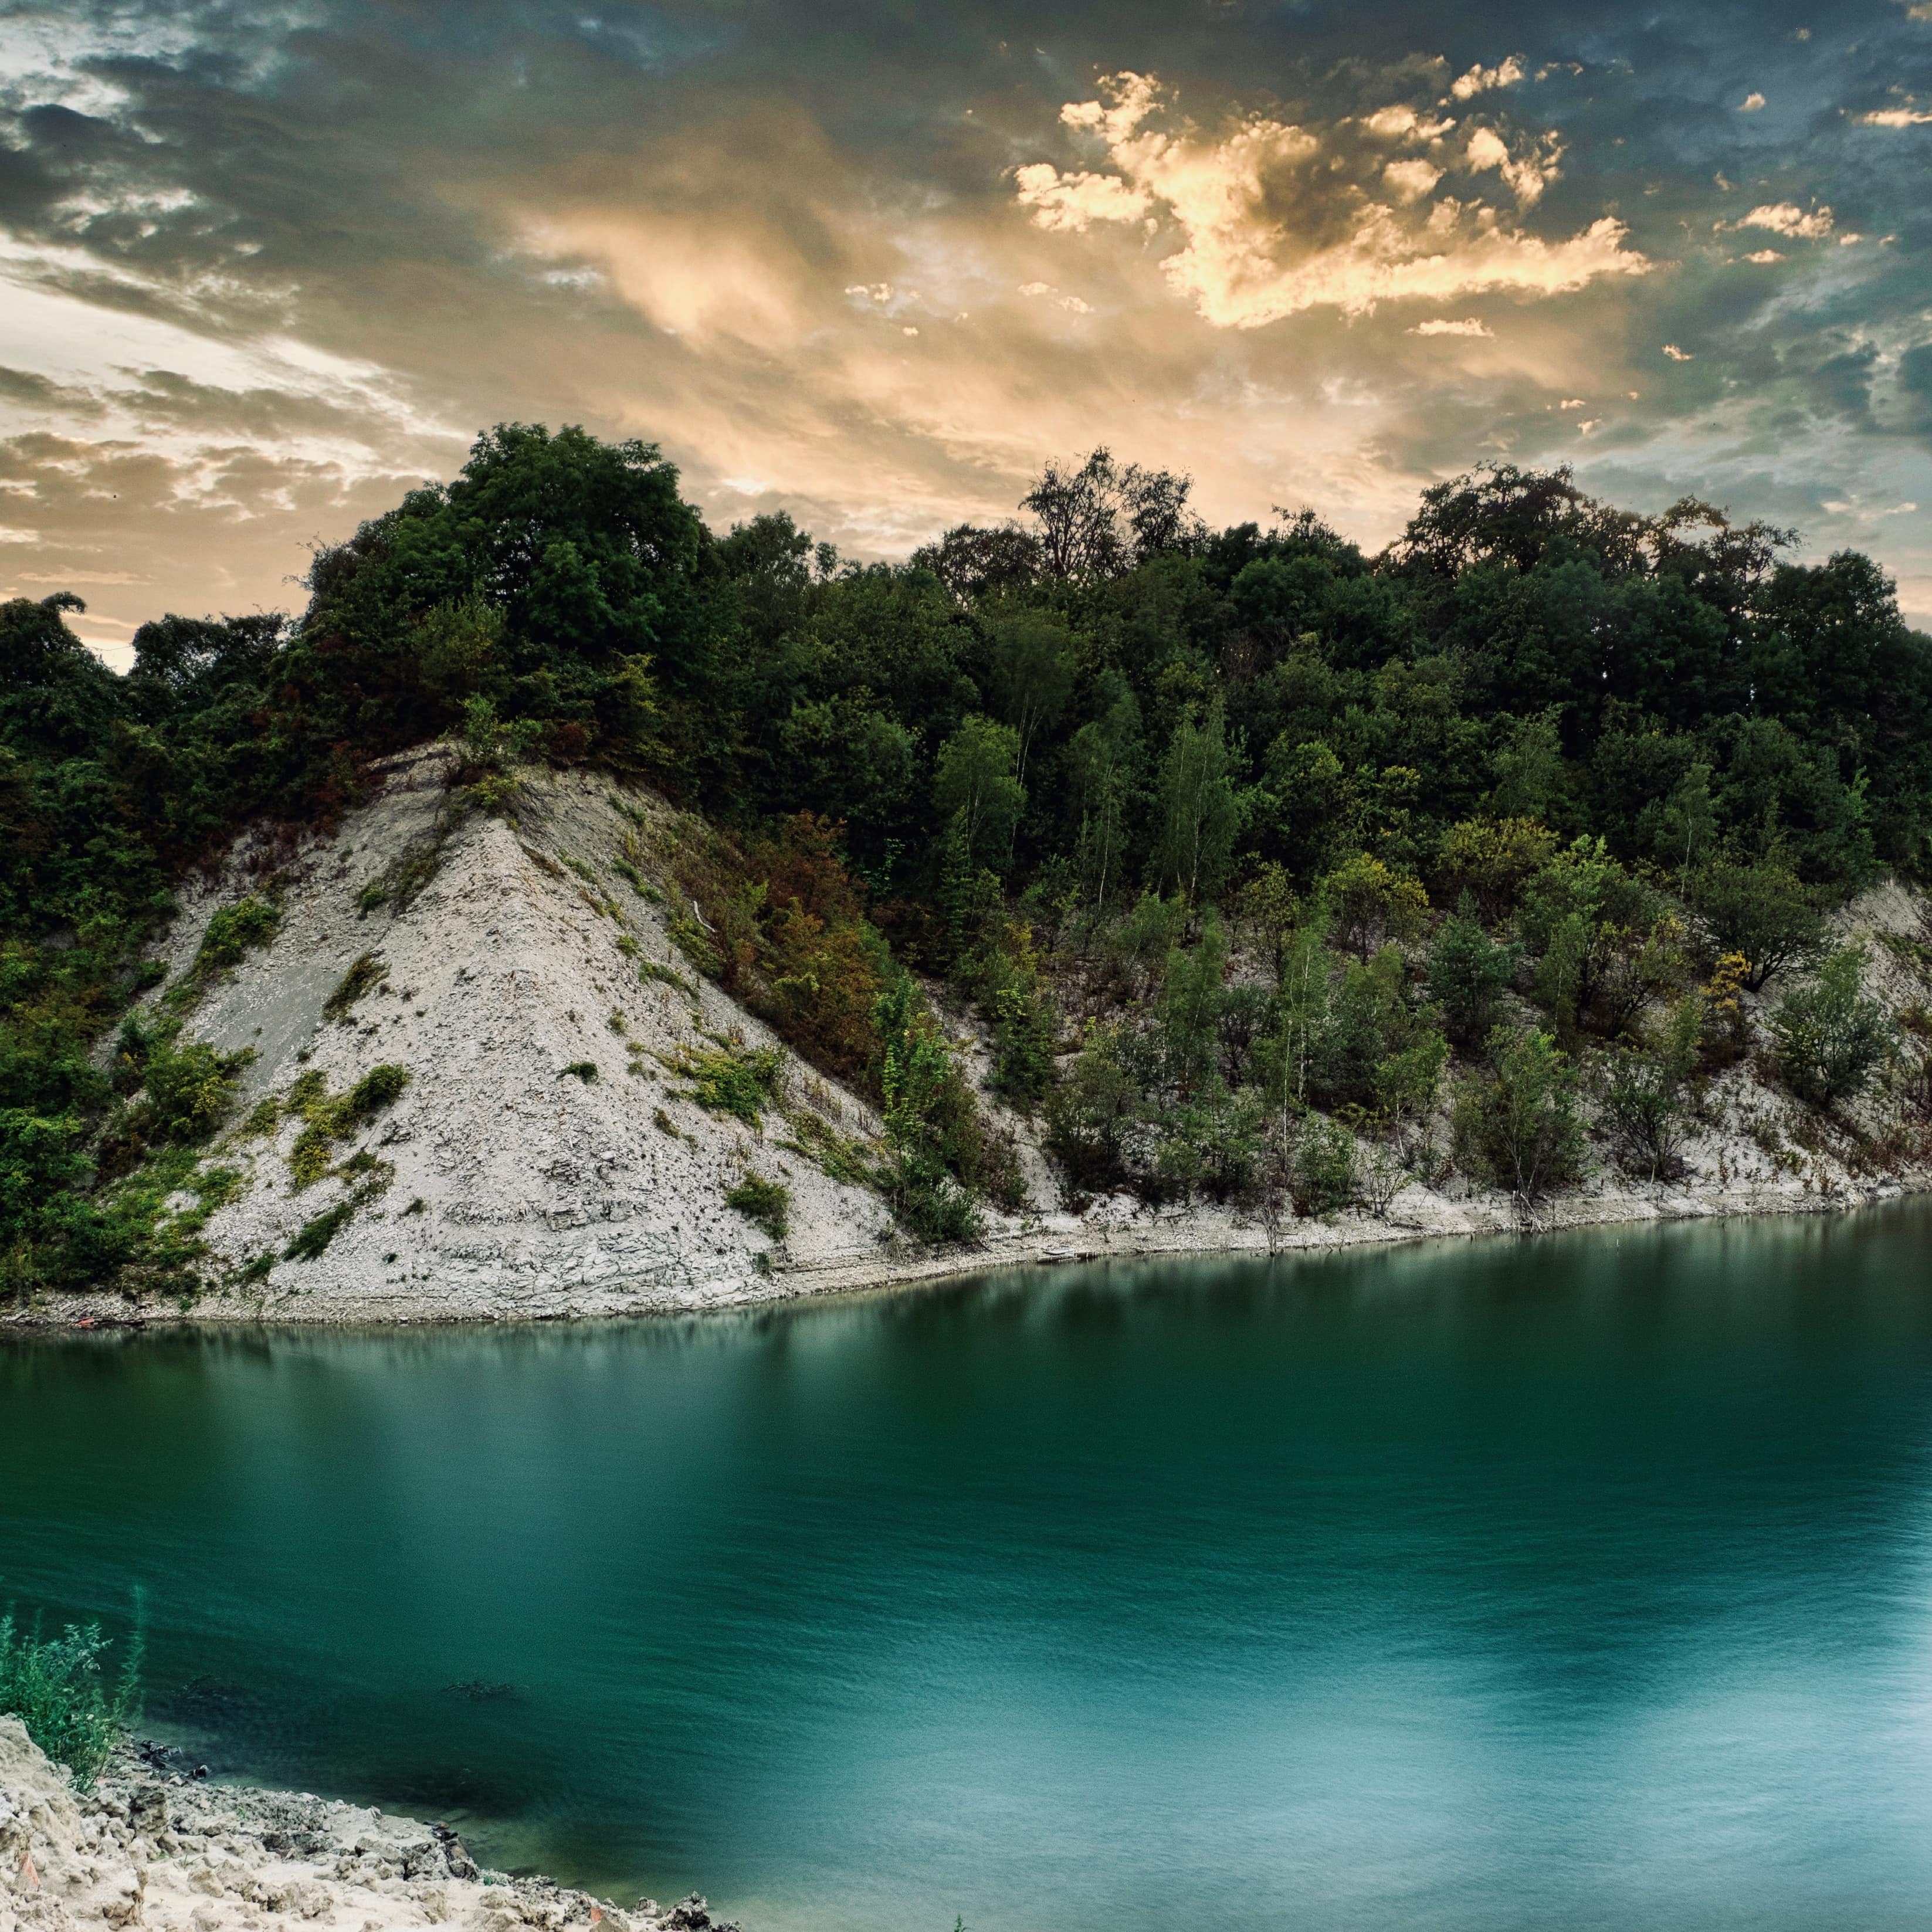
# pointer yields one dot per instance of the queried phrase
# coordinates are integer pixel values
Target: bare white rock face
(144, 1853)
(502, 1186)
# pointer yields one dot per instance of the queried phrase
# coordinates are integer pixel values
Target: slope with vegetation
(1102, 853)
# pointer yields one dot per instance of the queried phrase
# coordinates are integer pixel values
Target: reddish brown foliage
(787, 921)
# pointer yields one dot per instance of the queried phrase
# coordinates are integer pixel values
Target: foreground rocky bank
(167, 1853)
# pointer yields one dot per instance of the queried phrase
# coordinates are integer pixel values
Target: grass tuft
(766, 1204)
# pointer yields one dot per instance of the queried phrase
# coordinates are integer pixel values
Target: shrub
(401, 882)
(835, 1155)
(315, 1235)
(585, 1070)
(1469, 972)
(1493, 858)
(365, 971)
(1640, 1096)
(1003, 974)
(232, 932)
(650, 971)
(1828, 1037)
(328, 1120)
(1516, 1126)
(189, 1088)
(1091, 1114)
(1371, 904)
(730, 1079)
(1322, 1166)
(1760, 910)
(56, 1687)
(764, 1203)
(1210, 1143)
(938, 1148)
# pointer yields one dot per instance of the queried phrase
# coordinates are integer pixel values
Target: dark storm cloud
(268, 264)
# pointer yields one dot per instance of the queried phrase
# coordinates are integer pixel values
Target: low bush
(765, 1203)
(57, 1687)
(1829, 1038)
(316, 1235)
(731, 1079)
(365, 972)
(234, 932)
(329, 1119)
(1516, 1125)
(1322, 1170)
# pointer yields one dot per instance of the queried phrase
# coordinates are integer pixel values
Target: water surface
(1585, 1580)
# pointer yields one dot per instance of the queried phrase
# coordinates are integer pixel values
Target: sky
(263, 268)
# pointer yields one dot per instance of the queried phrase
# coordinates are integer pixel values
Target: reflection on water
(1580, 1580)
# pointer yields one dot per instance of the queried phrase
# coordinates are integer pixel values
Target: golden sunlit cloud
(1275, 219)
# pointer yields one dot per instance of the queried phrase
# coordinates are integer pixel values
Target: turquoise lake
(1581, 1580)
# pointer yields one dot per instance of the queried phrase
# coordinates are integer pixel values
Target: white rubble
(144, 1853)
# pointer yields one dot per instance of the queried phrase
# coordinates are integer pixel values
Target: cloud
(1786, 218)
(1762, 256)
(1528, 174)
(1274, 219)
(1076, 202)
(476, 214)
(1895, 117)
(1751, 104)
(1403, 123)
(1411, 180)
(66, 578)
(1480, 79)
(1677, 355)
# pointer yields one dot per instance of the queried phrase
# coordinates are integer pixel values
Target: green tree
(1033, 665)
(1516, 1124)
(976, 790)
(1640, 1095)
(1829, 1038)
(1092, 1115)
(1188, 1013)
(1760, 908)
(1468, 973)
(1199, 811)
(1370, 905)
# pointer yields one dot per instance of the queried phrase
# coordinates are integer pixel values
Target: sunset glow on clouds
(263, 271)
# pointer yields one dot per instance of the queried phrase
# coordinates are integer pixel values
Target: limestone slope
(542, 1160)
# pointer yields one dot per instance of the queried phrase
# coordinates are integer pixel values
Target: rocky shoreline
(1134, 1233)
(149, 1850)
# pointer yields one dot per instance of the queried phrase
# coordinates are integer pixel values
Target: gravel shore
(166, 1851)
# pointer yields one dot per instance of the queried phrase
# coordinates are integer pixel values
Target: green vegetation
(729, 1078)
(585, 1070)
(1829, 1038)
(831, 1152)
(58, 1688)
(328, 1120)
(765, 1203)
(365, 971)
(234, 932)
(1206, 828)
(315, 1234)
